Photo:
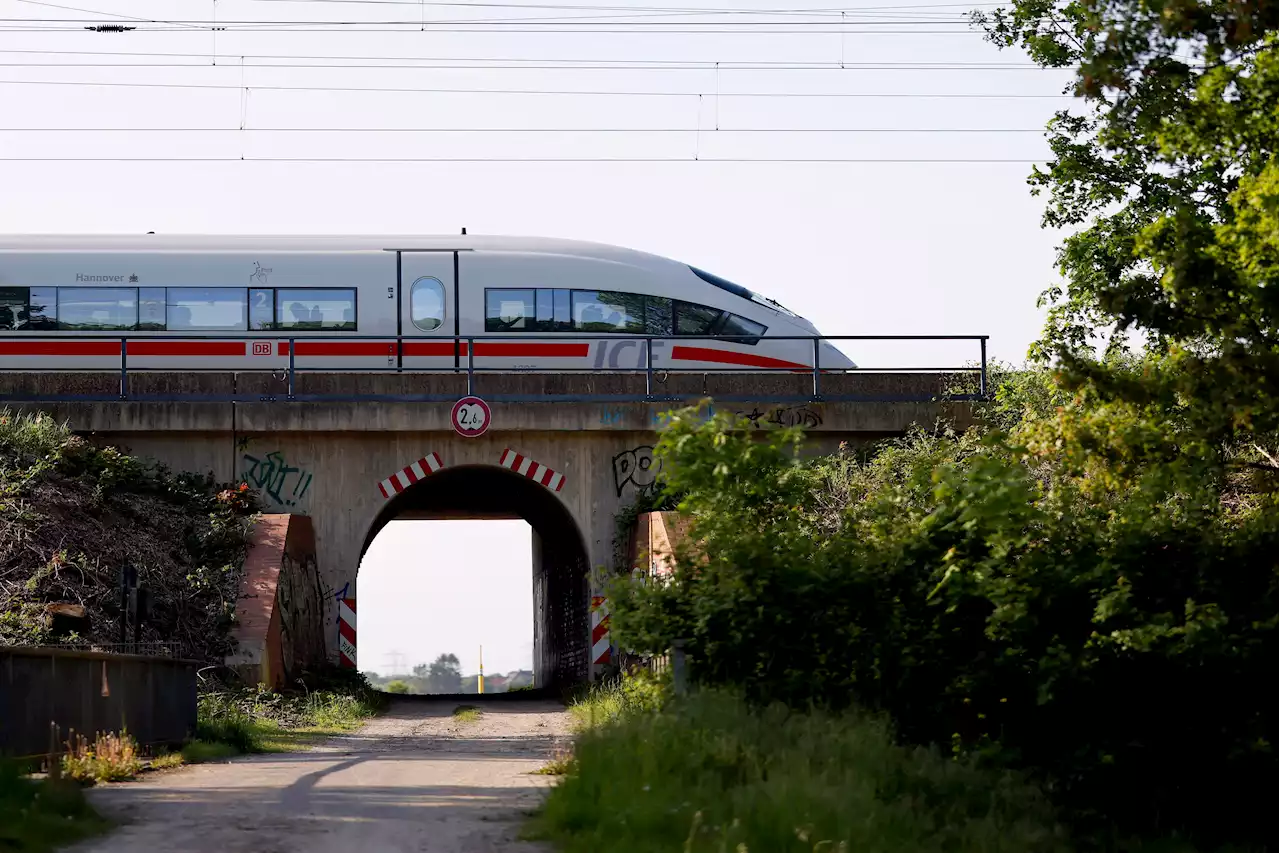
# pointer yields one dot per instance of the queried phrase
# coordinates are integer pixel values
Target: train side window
(316, 308)
(98, 308)
(562, 309)
(42, 309)
(262, 309)
(750, 330)
(426, 304)
(695, 319)
(151, 309)
(657, 315)
(553, 310)
(206, 309)
(508, 310)
(13, 304)
(608, 311)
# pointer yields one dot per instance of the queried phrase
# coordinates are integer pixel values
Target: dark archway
(561, 595)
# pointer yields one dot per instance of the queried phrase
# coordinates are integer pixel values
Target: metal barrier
(154, 698)
(465, 346)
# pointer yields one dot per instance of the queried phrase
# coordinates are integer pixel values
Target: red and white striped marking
(406, 477)
(600, 647)
(347, 632)
(535, 471)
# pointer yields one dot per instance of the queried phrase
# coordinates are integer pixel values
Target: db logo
(262, 347)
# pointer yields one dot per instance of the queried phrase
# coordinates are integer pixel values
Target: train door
(429, 319)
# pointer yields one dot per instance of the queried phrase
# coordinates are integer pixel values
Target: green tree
(397, 686)
(1165, 175)
(444, 675)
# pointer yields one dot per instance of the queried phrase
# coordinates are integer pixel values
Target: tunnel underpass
(559, 561)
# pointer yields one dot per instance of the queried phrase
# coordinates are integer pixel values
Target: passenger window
(262, 309)
(151, 308)
(553, 310)
(608, 311)
(206, 309)
(329, 308)
(657, 315)
(98, 308)
(508, 310)
(426, 304)
(42, 309)
(13, 304)
(695, 319)
(750, 330)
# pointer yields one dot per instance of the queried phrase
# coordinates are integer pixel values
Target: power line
(598, 65)
(689, 159)
(575, 92)
(708, 10)
(706, 130)
(235, 60)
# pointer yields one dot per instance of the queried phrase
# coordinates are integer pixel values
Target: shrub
(397, 686)
(1109, 626)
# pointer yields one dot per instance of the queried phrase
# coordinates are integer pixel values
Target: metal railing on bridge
(962, 382)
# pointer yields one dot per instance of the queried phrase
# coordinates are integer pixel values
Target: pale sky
(427, 588)
(860, 248)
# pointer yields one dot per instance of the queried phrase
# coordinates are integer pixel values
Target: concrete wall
(91, 692)
(283, 616)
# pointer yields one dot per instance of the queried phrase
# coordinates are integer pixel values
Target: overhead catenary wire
(707, 130)
(687, 159)
(432, 90)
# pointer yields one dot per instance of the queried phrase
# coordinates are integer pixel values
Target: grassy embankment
(235, 722)
(711, 773)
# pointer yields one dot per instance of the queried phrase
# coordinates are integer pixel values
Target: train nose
(830, 358)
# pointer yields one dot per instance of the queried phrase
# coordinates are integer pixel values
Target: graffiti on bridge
(791, 416)
(637, 467)
(275, 478)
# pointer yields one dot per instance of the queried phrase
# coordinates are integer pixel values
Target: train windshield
(739, 290)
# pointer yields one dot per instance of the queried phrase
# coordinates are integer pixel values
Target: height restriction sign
(471, 417)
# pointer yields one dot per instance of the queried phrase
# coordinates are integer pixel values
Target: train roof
(314, 243)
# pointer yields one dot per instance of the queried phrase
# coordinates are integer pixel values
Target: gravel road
(413, 779)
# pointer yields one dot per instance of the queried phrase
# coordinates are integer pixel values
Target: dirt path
(412, 780)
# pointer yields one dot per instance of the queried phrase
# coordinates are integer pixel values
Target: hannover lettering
(80, 277)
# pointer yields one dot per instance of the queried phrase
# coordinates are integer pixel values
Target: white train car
(189, 303)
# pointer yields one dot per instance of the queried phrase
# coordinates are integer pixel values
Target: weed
(109, 758)
(200, 751)
(467, 714)
(561, 764)
(168, 760)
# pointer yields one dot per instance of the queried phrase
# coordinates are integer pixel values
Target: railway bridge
(565, 452)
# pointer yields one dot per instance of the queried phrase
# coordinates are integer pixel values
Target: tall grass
(710, 773)
(263, 720)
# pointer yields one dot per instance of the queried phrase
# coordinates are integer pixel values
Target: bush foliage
(72, 514)
(1109, 623)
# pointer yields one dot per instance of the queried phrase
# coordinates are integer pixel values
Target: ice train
(336, 303)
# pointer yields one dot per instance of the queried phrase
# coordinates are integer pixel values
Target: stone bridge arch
(560, 575)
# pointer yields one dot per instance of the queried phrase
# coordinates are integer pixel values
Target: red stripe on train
(112, 348)
(746, 359)
(338, 348)
(437, 348)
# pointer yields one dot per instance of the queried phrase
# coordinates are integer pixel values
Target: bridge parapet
(415, 402)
